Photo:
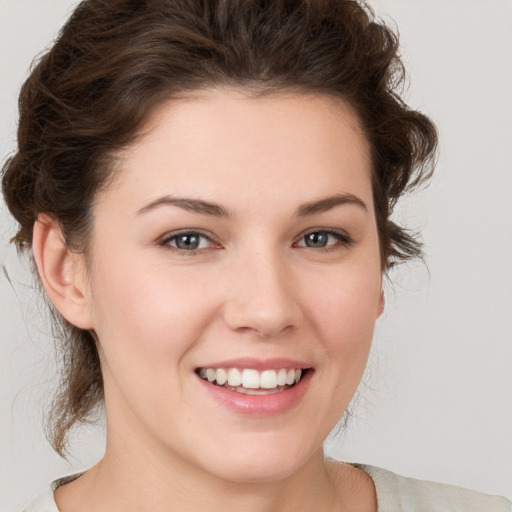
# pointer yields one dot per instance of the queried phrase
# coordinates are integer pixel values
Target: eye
(188, 241)
(322, 239)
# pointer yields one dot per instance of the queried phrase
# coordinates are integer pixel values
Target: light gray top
(395, 493)
(400, 493)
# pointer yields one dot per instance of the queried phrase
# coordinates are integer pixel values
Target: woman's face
(238, 242)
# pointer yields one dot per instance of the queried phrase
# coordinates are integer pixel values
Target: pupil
(187, 242)
(316, 239)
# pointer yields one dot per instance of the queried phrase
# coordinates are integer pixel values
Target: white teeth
(234, 377)
(250, 379)
(222, 377)
(268, 379)
(281, 377)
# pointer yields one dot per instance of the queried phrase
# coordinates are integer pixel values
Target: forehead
(222, 144)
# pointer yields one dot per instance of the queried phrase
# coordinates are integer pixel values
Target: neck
(155, 483)
(133, 478)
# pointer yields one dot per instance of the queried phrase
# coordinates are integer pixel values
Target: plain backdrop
(436, 403)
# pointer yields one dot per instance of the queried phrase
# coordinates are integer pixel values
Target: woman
(206, 191)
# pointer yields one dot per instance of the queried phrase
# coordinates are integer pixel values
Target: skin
(253, 288)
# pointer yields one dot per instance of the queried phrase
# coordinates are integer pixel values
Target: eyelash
(343, 239)
(166, 241)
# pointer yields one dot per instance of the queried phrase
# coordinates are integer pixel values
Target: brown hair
(116, 60)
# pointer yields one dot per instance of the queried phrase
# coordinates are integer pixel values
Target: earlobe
(61, 272)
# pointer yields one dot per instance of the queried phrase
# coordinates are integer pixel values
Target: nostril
(262, 304)
(260, 322)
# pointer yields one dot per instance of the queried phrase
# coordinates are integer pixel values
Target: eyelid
(341, 235)
(164, 240)
(344, 238)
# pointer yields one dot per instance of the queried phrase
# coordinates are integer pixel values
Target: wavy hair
(115, 61)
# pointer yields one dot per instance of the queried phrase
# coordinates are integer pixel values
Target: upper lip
(258, 364)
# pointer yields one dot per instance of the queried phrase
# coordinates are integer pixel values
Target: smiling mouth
(253, 382)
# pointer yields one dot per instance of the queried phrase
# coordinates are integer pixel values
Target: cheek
(148, 326)
(145, 313)
(345, 301)
(343, 307)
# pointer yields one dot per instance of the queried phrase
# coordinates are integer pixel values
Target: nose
(261, 298)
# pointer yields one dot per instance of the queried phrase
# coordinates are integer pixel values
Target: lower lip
(259, 405)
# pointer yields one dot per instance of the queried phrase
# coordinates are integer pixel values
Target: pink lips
(258, 405)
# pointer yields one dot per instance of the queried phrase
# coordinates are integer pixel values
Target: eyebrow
(192, 205)
(216, 210)
(328, 203)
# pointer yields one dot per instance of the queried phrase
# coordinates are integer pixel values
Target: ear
(62, 272)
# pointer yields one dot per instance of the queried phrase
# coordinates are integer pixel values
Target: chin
(258, 462)
(256, 472)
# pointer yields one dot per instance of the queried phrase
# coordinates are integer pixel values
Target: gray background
(437, 399)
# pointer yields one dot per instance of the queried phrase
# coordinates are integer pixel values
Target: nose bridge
(261, 299)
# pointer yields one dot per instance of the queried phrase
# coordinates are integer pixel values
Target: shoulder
(396, 492)
(45, 502)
